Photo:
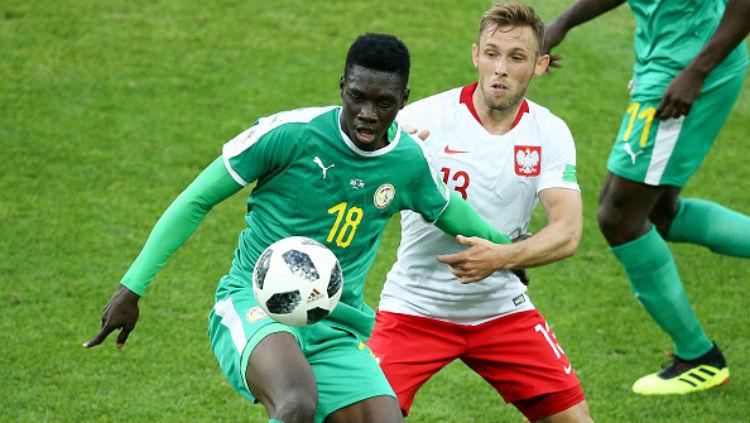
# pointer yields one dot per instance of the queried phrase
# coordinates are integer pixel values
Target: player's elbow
(572, 240)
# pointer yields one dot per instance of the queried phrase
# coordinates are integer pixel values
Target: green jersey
(669, 34)
(313, 181)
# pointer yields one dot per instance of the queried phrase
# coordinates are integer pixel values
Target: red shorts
(517, 354)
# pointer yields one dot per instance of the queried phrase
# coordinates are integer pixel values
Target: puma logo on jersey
(319, 162)
(629, 150)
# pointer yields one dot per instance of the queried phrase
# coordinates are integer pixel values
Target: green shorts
(669, 152)
(345, 370)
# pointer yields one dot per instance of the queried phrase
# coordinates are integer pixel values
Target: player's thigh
(345, 370)
(375, 409)
(236, 326)
(411, 349)
(559, 407)
(520, 356)
(578, 413)
(668, 152)
(278, 375)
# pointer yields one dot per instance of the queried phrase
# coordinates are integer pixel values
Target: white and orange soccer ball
(297, 281)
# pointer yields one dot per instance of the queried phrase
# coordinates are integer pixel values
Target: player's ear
(404, 97)
(542, 62)
(474, 54)
(341, 84)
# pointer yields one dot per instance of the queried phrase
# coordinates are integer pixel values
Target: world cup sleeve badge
(384, 195)
(528, 159)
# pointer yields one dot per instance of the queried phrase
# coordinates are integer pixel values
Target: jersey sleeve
(428, 195)
(460, 218)
(559, 160)
(177, 223)
(261, 149)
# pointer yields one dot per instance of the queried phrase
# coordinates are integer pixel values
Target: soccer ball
(297, 281)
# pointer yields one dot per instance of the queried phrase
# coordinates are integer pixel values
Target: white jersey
(501, 177)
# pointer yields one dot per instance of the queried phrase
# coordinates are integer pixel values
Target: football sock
(722, 230)
(275, 421)
(656, 284)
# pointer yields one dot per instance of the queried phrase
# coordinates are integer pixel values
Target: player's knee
(662, 218)
(617, 226)
(295, 406)
(609, 223)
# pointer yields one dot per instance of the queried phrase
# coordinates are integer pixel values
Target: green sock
(657, 285)
(275, 421)
(722, 230)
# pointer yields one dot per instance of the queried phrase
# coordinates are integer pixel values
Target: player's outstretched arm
(173, 228)
(686, 86)
(460, 218)
(557, 240)
(581, 12)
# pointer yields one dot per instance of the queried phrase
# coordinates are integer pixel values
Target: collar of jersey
(465, 98)
(394, 135)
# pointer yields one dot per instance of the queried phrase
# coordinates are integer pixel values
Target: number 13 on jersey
(461, 179)
(351, 217)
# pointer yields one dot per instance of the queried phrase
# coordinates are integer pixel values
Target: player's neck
(494, 121)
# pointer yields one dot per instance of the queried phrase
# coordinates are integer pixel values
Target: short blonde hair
(513, 14)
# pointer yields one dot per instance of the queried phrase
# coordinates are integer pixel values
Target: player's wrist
(131, 292)
(505, 255)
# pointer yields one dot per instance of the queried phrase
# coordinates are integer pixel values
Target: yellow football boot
(686, 376)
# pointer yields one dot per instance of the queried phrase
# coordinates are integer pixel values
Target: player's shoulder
(546, 122)
(544, 115)
(305, 115)
(411, 144)
(278, 127)
(431, 106)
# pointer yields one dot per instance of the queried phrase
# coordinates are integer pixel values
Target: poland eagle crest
(528, 159)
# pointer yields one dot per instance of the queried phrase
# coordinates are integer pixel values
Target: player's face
(371, 100)
(507, 59)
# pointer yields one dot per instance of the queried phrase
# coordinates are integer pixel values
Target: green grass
(108, 109)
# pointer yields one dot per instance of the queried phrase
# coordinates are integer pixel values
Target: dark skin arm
(686, 86)
(180, 219)
(681, 93)
(582, 11)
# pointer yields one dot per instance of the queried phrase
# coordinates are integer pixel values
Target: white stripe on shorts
(666, 139)
(232, 320)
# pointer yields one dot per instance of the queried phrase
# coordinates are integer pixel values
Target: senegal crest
(255, 314)
(384, 195)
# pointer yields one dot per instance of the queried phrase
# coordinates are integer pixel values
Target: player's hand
(121, 312)
(553, 36)
(680, 94)
(423, 134)
(478, 261)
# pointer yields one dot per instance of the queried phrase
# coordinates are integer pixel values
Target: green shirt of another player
(313, 181)
(668, 35)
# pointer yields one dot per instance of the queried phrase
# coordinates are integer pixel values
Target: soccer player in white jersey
(502, 153)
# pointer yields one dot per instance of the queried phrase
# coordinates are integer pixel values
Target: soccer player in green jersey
(335, 174)
(690, 65)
